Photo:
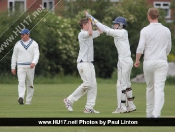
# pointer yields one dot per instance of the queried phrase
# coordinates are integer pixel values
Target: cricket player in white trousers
(86, 68)
(25, 56)
(125, 62)
(155, 44)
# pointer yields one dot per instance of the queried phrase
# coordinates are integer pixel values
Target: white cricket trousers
(155, 73)
(89, 85)
(25, 79)
(123, 82)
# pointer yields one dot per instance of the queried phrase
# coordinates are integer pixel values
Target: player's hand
(137, 63)
(86, 13)
(32, 65)
(13, 71)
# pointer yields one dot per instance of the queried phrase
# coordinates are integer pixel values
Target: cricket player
(86, 68)
(155, 44)
(25, 56)
(125, 62)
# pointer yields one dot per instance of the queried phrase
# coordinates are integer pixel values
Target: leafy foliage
(60, 46)
(57, 34)
(57, 44)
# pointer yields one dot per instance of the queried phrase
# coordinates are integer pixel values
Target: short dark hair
(83, 21)
(153, 13)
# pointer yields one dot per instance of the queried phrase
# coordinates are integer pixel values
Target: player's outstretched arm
(99, 30)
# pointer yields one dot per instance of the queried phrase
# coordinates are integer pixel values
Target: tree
(57, 34)
(56, 41)
(105, 54)
(171, 57)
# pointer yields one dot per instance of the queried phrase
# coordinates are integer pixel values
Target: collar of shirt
(26, 42)
(155, 23)
(82, 30)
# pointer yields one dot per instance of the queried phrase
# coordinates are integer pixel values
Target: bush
(170, 80)
(57, 36)
(171, 57)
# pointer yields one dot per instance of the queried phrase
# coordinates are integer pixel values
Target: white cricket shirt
(121, 42)
(25, 53)
(86, 52)
(155, 42)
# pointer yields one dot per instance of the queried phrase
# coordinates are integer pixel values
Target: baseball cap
(25, 31)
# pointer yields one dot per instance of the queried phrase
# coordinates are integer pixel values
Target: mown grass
(7, 78)
(48, 102)
(58, 79)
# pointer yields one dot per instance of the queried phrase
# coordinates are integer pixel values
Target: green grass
(48, 102)
(57, 79)
(7, 78)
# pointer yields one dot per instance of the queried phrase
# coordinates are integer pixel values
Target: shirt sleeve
(36, 54)
(14, 57)
(109, 31)
(95, 34)
(168, 49)
(142, 42)
(84, 34)
(103, 27)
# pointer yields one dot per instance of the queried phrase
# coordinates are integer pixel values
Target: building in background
(165, 5)
(23, 5)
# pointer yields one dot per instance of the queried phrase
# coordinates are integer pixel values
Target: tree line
(57, 34)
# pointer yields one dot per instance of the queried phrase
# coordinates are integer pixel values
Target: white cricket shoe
(129, 109)
(86, 110)
(28, 103)
(68, 104)
(120, 110)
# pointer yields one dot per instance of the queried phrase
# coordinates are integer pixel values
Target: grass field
(48, 102)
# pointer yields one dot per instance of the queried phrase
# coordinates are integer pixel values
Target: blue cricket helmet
(120, 21)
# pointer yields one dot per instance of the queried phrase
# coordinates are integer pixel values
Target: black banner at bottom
(87, 121)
